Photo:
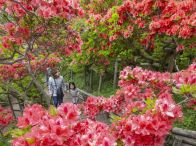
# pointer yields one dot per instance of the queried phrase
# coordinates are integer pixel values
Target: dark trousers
(57, 101)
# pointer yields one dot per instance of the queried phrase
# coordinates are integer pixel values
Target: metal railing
(83, 94)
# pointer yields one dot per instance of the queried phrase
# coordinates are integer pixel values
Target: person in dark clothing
(55, 85)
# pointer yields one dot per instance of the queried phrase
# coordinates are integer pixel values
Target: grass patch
(189, 120)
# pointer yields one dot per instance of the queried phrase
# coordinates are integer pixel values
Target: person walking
(56, 87)
(74, 92)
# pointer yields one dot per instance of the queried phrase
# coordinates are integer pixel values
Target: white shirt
(54, 84)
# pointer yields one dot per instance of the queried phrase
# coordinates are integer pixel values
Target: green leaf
(185, 89)
(52, 111)
(104, 52)
(130, 77)
(30, 140)
(175, 90)
(2, 143)
(150, 104)
(135, 109)
(114, 18)
(119, 142)
(20, 132)
(114, 118)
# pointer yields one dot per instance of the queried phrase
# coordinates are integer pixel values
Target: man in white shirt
(56, 87)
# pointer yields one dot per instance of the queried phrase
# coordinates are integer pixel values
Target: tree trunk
(91, 80)
(115, 74)
(41, 90)
(18, 101)
(11, 106)
(100, 82)
(71, 74)
(176, 66)
(85, 76)
(41, 100)
(17, 94)
(38, 85)
(171, 65)
(20, 106)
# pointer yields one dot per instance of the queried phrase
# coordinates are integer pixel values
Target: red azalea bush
(143, 107)
(18, 70)
(61, 126)
(144, 104)
(150, 18)
(45, 9)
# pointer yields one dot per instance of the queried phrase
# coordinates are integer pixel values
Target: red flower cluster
(18, 70)
(15, 71)
(192, 104)
(61, 126)
(73, 43)
(15, 35)
(93, 106)
(172, 18)
(5, 116)
(176, 19)
(46, 9)
(187, 76)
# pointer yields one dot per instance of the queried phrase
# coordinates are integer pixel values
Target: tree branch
(146, 56)
(16, 60)
(36, 83)
(8, 58)
(12, 62)
(185, 100)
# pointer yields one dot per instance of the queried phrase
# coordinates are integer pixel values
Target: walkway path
(101, 117)
(67, 98)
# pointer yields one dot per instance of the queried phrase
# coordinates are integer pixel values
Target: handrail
(88, 94)
(12, 103)
(183, 132)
